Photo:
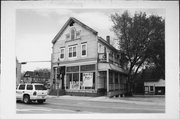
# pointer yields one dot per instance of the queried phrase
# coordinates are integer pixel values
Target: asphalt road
(60, 106)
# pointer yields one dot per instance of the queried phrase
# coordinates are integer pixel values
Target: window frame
(72, 46)
(61, 53)
(82, 50)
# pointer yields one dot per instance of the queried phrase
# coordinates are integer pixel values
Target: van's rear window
(40, 87)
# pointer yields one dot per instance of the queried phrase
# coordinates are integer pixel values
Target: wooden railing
(108, 58)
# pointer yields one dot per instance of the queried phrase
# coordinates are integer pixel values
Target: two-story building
(84, 63)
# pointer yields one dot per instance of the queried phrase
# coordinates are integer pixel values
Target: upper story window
(62, 52)
(73, 33)
(84, 49)
(72, 51)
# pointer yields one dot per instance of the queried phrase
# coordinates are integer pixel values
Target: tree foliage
(141, 39)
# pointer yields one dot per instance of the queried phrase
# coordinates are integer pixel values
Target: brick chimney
(108, 39)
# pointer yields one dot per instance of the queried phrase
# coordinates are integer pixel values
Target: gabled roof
(71, 20)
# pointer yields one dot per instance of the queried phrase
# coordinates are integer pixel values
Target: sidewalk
(132, 100)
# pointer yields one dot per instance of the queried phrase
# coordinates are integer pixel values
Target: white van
(31, 92)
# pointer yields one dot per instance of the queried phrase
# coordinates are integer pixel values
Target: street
(73, 104)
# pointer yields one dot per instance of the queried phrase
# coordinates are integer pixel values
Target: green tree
(137, 37)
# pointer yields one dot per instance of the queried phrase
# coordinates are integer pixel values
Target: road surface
(63, 105)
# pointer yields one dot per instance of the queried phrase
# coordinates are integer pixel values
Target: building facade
(154, 87)
(85, 64)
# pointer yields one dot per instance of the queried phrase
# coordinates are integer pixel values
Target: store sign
(87, 79)
(90, 67)
(73, 69)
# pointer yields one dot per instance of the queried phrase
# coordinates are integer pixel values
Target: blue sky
(36, 28)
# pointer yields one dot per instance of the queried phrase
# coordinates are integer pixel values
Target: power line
(33, 61)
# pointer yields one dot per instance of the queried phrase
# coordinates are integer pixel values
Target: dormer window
(73, 34)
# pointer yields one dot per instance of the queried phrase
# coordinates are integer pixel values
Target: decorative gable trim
(70, 21)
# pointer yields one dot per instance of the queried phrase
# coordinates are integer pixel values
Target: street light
(58, 77)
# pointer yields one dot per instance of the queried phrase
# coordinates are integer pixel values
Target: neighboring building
(36, 77)
(18, 72)
(154, 87)
(85, 64)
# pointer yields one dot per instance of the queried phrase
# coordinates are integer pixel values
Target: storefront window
(75, 83)
(68, 80)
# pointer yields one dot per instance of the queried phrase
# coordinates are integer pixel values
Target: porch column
(119, 81)
(107, 80)
(56, 77)
(79, 78)
(114, 84)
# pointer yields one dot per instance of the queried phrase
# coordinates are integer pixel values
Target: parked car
(31, 92)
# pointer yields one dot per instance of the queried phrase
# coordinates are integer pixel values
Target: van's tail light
(34, 93)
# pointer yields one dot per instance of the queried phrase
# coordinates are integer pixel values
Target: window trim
(72, 51)
(60, 53)
(81, 49)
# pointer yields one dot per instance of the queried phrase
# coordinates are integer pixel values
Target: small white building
(154, 87)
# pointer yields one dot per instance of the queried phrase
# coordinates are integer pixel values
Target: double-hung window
(72, 51)
(62, 52)
(84, 49)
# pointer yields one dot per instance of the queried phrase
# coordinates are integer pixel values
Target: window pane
(62, 56)
(40, 87)
(29, 87)
(83, 52)
(74, 54)
(74, 49)
(70, 54)
(76, 77)
(70, 49)
(151, 88)
(62, 51)
(21, 87)
(83, 47)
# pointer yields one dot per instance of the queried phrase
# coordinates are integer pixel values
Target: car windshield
(40, 87)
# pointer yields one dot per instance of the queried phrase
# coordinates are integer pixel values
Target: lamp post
(58, 77)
